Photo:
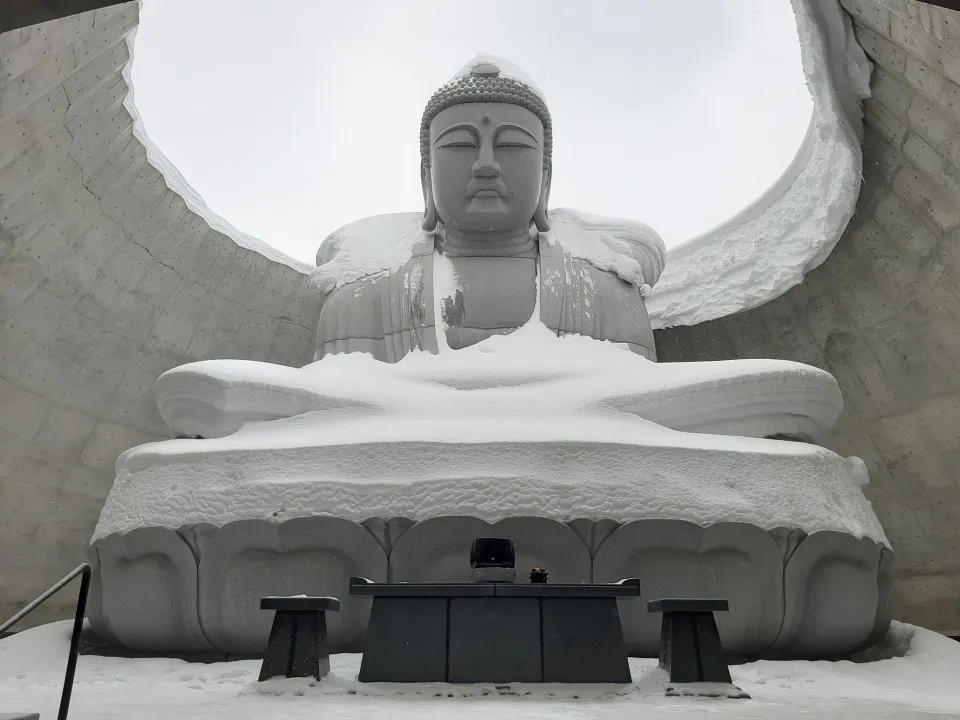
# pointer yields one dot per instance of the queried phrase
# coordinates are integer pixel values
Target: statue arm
(215, 398)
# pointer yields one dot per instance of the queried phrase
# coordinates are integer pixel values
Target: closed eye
(512, 137)
(458, 137)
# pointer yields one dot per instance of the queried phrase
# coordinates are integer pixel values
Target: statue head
(485, 152)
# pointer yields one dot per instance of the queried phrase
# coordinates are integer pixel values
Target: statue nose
(486, 165)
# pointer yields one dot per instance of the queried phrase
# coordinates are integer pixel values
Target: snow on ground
(517, 425)
(921, 684)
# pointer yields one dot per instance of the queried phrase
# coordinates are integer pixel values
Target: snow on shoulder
(383, 243)
(631, 250)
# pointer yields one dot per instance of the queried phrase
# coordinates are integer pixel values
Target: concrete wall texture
(883, 312)
(107, 279)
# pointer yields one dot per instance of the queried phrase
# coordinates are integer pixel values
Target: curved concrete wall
(107, 279)
(883, 313)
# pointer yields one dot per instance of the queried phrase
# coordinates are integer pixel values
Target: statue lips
(487, 188)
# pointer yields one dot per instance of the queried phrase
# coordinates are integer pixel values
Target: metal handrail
(86, 571)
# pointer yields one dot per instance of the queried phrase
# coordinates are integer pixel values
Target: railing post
(86, 571)
(75, 644)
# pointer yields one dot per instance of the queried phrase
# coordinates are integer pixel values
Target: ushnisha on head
(485, 150)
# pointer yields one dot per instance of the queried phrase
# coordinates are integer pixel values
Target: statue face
(486, 163)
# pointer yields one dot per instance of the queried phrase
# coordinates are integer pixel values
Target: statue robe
(390, 313)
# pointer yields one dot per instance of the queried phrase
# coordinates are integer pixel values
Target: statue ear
(540, 217)
(429, 206)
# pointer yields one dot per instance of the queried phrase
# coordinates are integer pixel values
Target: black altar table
(494, 632)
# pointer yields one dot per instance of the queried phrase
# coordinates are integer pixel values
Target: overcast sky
(294, 117)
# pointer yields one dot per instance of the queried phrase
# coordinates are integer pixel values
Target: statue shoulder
(631, 250)
(368, 248)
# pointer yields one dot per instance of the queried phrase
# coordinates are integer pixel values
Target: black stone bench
(298, 639)
(494, 632)
(690, 647)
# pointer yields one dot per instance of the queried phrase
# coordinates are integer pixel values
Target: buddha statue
(485, 258)
(487, 368)
(488, 248)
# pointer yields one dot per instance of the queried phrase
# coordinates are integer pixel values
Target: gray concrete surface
(107, 279)
(20, 13)
(883, 312)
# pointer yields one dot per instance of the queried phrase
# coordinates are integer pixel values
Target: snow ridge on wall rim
(769, 246)
(756, 256)
(177, 183)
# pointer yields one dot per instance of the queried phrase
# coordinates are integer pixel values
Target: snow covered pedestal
(597, 463)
